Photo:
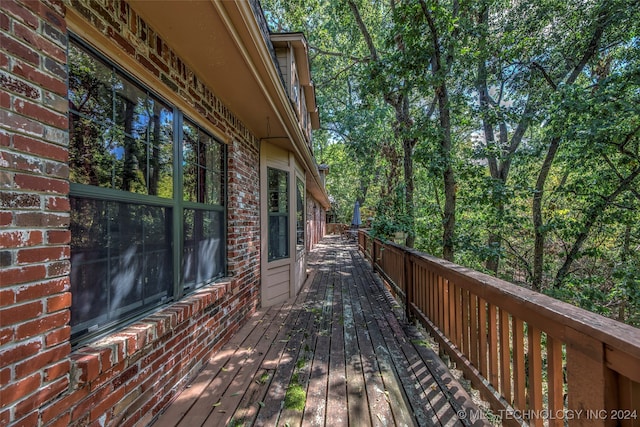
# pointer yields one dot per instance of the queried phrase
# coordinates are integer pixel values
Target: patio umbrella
(356, 221)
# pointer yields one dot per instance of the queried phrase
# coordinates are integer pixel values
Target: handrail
(535, 359)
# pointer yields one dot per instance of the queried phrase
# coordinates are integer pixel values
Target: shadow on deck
(338, 354)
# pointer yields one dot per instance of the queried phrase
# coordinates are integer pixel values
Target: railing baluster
(519, 379)
(555, 381)
(473, 350)
(440, 302)
(585, 369)
(434, 296)
(457, 317)
(454, 314)
(447, 287)
(420, 285)
(465, 321)
(452, 308)
(629, 397)
(505, 356)
(535, 375)
(493, 346)
(409, 281)
(424, 290)
(483, 349)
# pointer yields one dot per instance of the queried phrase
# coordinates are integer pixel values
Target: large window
(278, 188)
(147, 198)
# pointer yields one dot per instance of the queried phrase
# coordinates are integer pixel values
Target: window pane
(278, 237)
(190, 162)
(121, 261)
(129, 120)
(89, 263)
(213, 189)
(158, 161)
(278, 193)
(299, 214)
(120, 136)
(213, 179)
(203, 161)
(203, 258)
(278, 190)
(214, 156)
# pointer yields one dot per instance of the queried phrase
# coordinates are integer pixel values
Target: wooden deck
(336, 355)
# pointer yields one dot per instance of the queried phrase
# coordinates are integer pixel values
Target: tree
(504, 133)
(564, 75)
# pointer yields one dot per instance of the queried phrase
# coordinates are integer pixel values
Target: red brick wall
(34, 210)
(129, 376)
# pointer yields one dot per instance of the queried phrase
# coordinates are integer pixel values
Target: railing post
(408, 283)
(586, 380)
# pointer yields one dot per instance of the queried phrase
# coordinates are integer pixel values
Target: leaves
(526, 81)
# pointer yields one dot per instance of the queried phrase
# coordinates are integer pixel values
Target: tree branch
(335, 76)
(592, 47)
(363, 29)
(338, 54)
(546, 76)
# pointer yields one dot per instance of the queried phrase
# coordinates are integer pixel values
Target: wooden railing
(536, 360)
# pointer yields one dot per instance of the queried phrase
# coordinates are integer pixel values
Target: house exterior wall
(316, 222)
(127, 377)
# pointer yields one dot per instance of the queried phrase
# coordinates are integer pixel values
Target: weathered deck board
(343, 342)
(337, 414)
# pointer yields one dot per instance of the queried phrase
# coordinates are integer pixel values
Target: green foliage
(391, 216)
(553, 71)
(619, 298)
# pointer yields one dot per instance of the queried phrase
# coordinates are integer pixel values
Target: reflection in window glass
(203, 158)
(121, 261)
(278, 196)
(203, 258)
(300, 225)
(120, 135)
(90, 86)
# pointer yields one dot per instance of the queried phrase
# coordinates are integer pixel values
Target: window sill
(99, 362)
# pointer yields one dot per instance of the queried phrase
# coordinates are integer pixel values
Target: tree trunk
(442, 95)
(626, 245)
(400, 103)
(538, 255)
(594, 213)
(449, 220)
(493, 261)
(538, 230)
(409, 190)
